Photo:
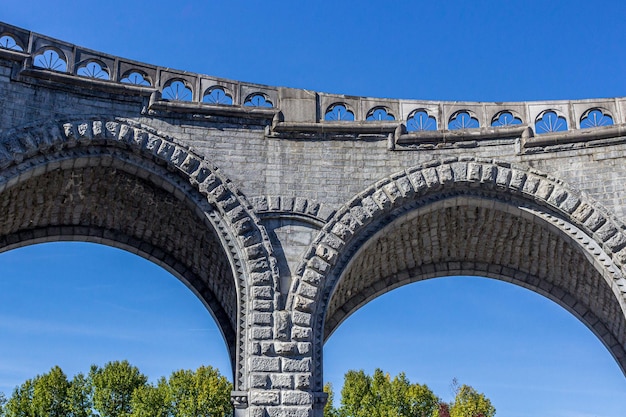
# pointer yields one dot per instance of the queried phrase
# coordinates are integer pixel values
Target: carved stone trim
(300, 207)
(239, 399)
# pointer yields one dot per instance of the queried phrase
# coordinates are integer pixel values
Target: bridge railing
(296, 110)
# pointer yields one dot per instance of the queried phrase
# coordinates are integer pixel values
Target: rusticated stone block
(296, 365)
(302, 381)
(285, 348)
(264, 397)
(282, 381)
(259, 381)
(262, 333)
(289, 411)
(296, 398)
(264, 364)
(301, 333)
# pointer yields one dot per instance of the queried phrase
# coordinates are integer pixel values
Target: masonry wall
(296, 175)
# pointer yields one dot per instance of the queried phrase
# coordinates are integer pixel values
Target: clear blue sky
(77, 304)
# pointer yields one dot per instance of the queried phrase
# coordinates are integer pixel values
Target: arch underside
(123, 201)
(477, 235)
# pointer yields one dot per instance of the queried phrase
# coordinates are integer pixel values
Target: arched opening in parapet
(476, 233)
(131, 203)
(75, 304)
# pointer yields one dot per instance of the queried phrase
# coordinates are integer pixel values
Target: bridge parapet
(292, 112)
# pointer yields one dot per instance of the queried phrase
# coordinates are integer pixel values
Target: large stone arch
(117, 182)
(465, 216)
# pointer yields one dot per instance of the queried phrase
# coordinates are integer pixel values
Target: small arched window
(339, 112)
(177, 90)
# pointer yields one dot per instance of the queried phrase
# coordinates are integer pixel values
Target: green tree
(421, 400)
(380, 396)
(120, 390)
(113, 387)
(152, 401)
(3, 401)
(356, 386)
(80, 397)
(470, 403)
(50, 391)
(203, 393)
(21, 402)
(329, 408)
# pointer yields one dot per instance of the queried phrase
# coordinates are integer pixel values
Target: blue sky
(77, 304)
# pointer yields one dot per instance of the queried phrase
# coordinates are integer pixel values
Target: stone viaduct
(285, 210)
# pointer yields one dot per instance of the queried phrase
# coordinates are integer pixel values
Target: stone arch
(117, 182)
(425, 222)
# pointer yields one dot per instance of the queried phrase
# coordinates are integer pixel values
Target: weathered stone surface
(278, 219)
(264, 397)
(296, 365)
(264, 364)
(282, 381)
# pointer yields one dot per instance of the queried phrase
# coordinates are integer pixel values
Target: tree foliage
(113, 387)
(199, 394)
(120, 390)
(329, 410)
(152, 401)
(50, 394)
(21, 402)
(381, 396)
(80, 396)
(3, 401)
(470, 403)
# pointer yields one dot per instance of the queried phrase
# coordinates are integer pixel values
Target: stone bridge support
(284, 216)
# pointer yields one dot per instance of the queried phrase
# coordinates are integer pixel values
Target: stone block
(305, 348)
(262, 333)
(264, 397)
(289, 411)
(262, 318)
(296, 365)
(300, 333)
(302, 381)
(259, 381)
(282, 381)
(285, 348)
(264, 364)
(297, 398)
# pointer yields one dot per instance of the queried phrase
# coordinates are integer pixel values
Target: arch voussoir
(448, 183)
(103, 141)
